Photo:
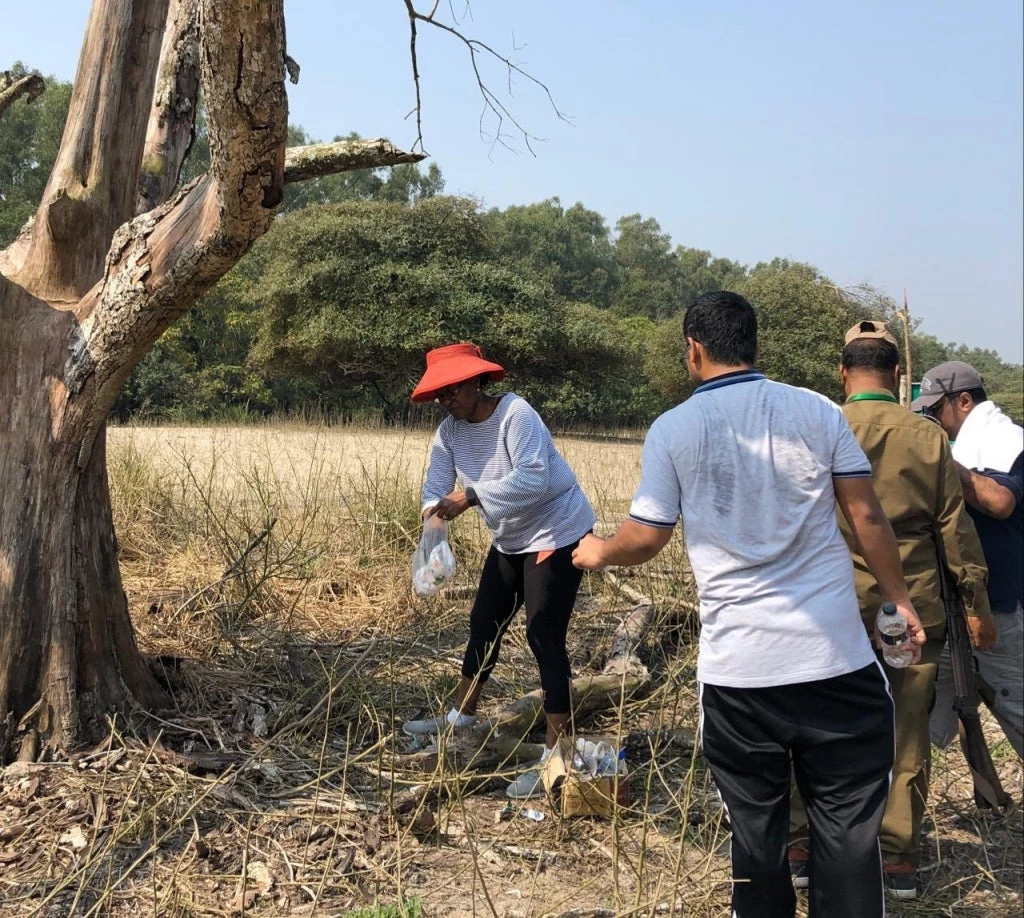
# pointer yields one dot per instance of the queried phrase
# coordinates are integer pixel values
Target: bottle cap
(889, 608)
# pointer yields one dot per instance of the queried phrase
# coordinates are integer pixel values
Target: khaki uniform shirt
(917, 484)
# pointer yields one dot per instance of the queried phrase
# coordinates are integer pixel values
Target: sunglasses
(935, 410)
(448, 394)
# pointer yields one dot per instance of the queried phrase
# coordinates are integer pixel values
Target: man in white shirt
(755, 469)
(988, 449)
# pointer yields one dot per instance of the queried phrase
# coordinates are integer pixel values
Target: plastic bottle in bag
(433, 563)
(597, 759)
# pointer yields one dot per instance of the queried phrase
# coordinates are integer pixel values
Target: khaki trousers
(913, 693)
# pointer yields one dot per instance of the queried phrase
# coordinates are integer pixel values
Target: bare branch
(31, 86)
(171, 129)
(317, 159)
(492, 104)
(416, 71)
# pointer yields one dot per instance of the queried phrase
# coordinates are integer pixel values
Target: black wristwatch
(471, 497)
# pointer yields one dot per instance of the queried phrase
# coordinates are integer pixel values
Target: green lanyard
(873, 397)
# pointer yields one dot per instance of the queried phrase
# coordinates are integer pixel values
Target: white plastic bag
(433, 564)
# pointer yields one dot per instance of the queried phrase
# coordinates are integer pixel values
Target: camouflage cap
(870, 328)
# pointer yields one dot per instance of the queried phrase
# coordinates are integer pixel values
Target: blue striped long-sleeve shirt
(529, 497)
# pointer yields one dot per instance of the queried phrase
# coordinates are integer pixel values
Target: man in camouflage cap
(917, 485)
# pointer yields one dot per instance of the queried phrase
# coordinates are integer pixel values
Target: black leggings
(549, 591)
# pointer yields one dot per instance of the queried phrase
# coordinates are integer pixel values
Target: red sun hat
(451, 365)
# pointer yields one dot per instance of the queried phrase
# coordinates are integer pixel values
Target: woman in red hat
(500, 452)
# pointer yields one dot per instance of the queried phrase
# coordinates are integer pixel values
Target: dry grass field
(267, 570)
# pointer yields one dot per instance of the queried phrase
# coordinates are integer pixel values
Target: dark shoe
(800, 868)
(901, 880)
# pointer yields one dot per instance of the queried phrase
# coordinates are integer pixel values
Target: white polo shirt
(749, 466)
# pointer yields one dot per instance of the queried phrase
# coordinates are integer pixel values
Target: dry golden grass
(267, 568)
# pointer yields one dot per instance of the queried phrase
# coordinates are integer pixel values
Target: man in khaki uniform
(917, 485)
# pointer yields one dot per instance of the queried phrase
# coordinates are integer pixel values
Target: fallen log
(623, 659)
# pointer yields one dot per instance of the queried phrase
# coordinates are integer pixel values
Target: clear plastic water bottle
(607, 760)
(892, 628)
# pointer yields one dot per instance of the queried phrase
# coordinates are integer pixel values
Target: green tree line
(332, 311)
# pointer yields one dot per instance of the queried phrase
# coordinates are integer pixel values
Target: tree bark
(172, 119)
(92, 187)
(85, 291)
(75, 318)
(67, 649)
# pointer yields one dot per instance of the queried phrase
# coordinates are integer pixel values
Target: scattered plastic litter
(510, 809)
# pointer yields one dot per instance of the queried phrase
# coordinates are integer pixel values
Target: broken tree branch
(589, 694)
(317, 159)
(499, 741)
(31, 87)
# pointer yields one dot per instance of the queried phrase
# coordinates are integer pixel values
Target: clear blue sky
(880, 141)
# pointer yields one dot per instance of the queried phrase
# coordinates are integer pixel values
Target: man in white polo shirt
(755, 469)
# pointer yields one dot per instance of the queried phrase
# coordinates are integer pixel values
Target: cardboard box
(586, 796)
(580, 794)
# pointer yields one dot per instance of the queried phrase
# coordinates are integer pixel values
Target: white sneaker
(527, 785)
(431, 726)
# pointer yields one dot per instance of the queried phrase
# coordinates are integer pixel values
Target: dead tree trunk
(85, 291)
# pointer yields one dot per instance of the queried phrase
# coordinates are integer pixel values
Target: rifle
(968, 687)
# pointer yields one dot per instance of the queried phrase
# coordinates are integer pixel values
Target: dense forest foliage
(331, 312)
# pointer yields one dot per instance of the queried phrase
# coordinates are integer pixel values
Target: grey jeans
(1002, 668)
